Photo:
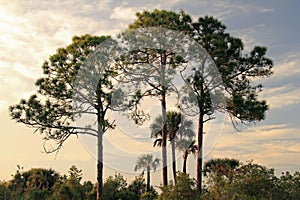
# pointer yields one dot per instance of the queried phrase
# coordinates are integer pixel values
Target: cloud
(258, 34)
(288, 67)
(282, 96)
(270, 145)
(30, 32)
(266, 10)
(123, 13)
(282, 88)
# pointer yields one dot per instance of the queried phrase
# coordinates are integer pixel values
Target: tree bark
(99, 195)
(148, 179)
(164, 126)
(173, 157)
(185, 155)
(199, 153)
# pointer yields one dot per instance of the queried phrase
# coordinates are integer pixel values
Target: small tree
(115, 187)
(187, 146)
(5, 193)
(184, 189)
(255, 181)
(35, 183)
(229, 179)
(51, 110)
(220, 173)
(138, 186)
(146, 163)
(177, 127)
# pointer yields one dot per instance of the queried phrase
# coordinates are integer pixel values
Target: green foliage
(138, 186)
(38, 183)
(147, 163)
(176, 124)
(164, 19)
(255, 181)
(148, 196)
(229, 179)
(183, 189)
(36, 194)
(187, 146)
(5, 192)
(141, 190)
(289, 185)
(89, 190)
(75, 174)
(33, 184)
(177, 128)
(50, 109)
(114, 186)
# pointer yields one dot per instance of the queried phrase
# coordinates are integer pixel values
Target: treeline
(224, 179)
(47, 184)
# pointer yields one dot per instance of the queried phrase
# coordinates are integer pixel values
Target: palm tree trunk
(199, 153)
(148, 179)
(164, 126)
(185, 156)
(173, 157)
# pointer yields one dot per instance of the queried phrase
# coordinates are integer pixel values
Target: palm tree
(186, 146)
(146, 163)
(219, 173)
(177, 126)
(224, 167)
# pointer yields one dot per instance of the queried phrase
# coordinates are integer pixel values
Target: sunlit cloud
(123, 13)
(289, 67)
(270, 145)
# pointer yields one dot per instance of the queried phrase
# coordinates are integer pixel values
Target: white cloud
(269, 145)
(266, 10)
(258, 34)
(282, 88)
(123, 13)
(288, 67)
(283, 96)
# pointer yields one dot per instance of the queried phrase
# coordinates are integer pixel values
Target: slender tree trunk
(173, 157)
(99, 195)
(148, 179)
(199, 153)
(164, 126)
(185, 155)
(164, 141)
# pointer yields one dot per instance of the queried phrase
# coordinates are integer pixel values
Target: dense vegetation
(224, 179)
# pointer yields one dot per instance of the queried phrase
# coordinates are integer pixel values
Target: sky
(31, 31)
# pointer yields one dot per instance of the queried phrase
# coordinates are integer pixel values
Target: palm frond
(157, 142)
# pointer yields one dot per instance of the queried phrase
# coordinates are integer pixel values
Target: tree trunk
(185, 155)
(173, 156)
(164, 141)
(148, 179)
(199, 153)
(99, 195)
(164, 126)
